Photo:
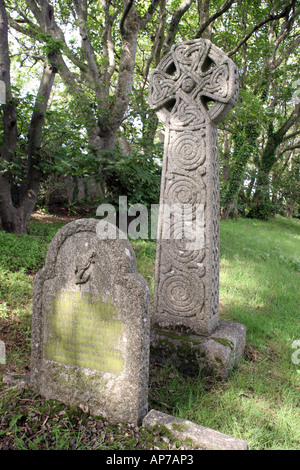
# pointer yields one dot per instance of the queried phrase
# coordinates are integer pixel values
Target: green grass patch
(145, 254)
(259, 287)
(260, 277)
(26, 252)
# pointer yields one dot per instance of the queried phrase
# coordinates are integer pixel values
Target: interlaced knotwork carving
(193, 88)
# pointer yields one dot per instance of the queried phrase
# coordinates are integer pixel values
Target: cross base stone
(217, 354)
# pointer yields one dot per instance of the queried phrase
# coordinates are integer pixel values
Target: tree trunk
(226, 213)
(16, 219)
(203, 12)
(261, 207)
(290, 210)
(10, 134)
(244, 146)
(15, 216)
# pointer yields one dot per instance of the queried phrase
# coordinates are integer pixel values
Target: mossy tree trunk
(261, 205)
(245, 144)
(18, 196)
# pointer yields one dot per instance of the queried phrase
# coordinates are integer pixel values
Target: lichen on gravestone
(91, 325)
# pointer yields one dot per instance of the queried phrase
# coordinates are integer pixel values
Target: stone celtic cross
(192, 89)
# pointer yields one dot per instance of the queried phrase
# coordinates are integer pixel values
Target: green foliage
(16, 167)
(263, 210)
(286, 185)
(136, 176)
(259, 286)
(51, 47)
(265, 97)
(26, 252)
(250, 108)
(245, 146)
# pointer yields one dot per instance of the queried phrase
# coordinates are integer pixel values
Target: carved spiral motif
(183, 257)
(185, 190)
(188, 151)
(183, 295)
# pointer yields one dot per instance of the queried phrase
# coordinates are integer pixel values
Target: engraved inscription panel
(85, 332)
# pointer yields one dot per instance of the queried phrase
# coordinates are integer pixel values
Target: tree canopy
(76, 75)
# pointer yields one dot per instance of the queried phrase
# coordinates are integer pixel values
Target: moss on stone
(180, 337)
(188, 442)
(179, 426)
(182, 345)
(224, 342)
(162, 430)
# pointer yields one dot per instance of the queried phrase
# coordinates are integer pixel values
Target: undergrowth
(259, 287)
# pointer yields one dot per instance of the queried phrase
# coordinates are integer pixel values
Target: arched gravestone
(90, 325)
(193, 88)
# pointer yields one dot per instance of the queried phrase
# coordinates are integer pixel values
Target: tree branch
(108, 43)
(289, 148)
(273, 64)
(38, 116)
(290, 121)
(32, 33)
(290, 136)
(174, 24)
(157, 44)
(150, 12)
(32, 5)
(81, 11)
(269, 18)
(56, 33)
(226, 5)
(10, 131)
(126, 12)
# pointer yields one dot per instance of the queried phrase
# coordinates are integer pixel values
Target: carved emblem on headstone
(193, 88)
(82, 276)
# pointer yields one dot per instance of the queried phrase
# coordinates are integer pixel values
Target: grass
(264, 258)
(259, 287)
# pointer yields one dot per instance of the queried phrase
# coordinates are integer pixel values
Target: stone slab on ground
(16, 381)
(216, 354)
(198, 436)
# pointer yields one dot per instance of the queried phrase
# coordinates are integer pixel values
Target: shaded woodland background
(77, 126)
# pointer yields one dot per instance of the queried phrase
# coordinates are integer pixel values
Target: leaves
(90, 111)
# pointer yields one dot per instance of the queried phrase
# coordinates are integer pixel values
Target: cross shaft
(193, 73)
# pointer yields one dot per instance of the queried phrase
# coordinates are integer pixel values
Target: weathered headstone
(90, 328)
(192, 89)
